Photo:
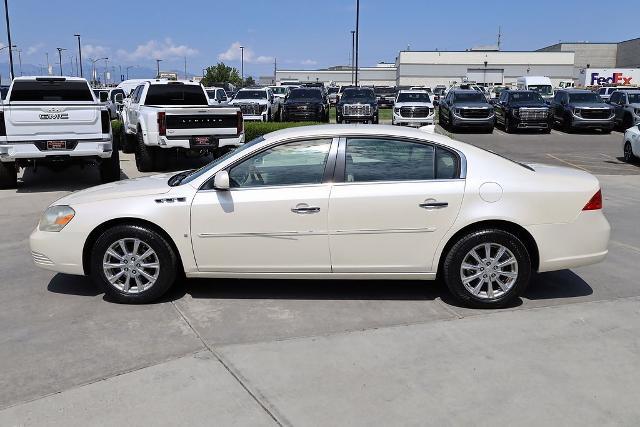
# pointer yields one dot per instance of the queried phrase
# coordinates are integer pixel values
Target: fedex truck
(611, 76)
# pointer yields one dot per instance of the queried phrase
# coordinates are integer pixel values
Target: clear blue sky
(299, 33)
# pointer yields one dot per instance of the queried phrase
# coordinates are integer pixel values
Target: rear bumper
(184, 142)
(584, 241)
(11, 151)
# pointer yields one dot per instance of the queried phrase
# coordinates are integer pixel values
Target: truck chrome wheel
(489, 270)
(131, 265)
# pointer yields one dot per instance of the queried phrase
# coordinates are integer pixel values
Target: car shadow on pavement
(554, 285)
(72, 178)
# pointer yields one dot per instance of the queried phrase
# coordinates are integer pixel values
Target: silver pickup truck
(55, 121)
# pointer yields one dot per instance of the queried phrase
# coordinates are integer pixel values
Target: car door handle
(303, 209)
(433, 205)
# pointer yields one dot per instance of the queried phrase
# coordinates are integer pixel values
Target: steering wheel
(255, 173)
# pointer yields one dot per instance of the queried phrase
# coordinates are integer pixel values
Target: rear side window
(51, 91)
(175, 94)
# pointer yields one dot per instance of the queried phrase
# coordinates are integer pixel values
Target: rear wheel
(487, 268)
(8, 175)
(129, 145)
(566, 124)
(145, 156)
(133, 264)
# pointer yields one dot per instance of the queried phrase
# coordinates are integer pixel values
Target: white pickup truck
(55, 121)
(165, 116)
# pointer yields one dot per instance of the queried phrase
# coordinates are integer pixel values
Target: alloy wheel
(131, 265)
(489, 271)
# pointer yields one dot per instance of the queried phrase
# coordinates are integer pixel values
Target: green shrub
(253, 130)
(116, 126)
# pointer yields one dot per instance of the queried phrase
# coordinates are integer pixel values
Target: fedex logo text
(614, 79)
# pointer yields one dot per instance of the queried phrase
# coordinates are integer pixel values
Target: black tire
(338, 120)
(145, 156)
(162, 157)
(452, 265)
(166, 258)
(129, 144)
(628, 153)
(375, 120)
(489, 129)
(452, 127)
(508, 126)
(566, 124)
(8, 175)
(627, 122)
(110, 168)
(547, 129)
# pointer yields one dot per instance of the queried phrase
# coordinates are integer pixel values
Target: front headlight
(576, 111)
(396, 110)
(55, 218)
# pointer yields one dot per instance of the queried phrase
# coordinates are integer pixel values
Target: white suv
(413, 108)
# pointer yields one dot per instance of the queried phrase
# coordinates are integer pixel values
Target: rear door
(391, 204)
(53, 108)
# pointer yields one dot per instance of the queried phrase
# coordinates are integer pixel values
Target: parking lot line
(624, 245)
(569, 163)
(555, 132)
(499, 132)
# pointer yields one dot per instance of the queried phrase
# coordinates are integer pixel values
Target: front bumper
(46, 250)
(11, 151)
(527, 124)
(469, 122)
(582, 123)
(397, 119)
(302, 115)
(582, 242)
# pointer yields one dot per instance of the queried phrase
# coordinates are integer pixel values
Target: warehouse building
(382, 74)
(430, 68)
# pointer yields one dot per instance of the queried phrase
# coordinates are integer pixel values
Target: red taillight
(595, 203)
(240, 123)
(162, 123)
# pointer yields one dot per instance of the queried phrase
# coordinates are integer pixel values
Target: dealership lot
(289, 352)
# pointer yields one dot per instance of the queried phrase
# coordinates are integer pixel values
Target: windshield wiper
(177, 178)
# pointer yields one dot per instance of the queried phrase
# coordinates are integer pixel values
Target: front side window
(221, 95)
(294, 163)
(388, 160)
(615, 97)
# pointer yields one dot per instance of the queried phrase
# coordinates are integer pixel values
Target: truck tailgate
(194, 121)
(28, 122)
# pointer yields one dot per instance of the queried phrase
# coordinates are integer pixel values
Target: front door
(397, 201)
(273, 218)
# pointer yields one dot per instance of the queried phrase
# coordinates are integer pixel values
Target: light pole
(60, 49)
(158, 67)
(6, 15)
(127, 69)
(79, 53)
(47, 53)
(242, 64)
(4, 47)
(357, 37)
(353, 48)
(94, 75)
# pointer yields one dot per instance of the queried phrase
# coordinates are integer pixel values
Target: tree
(221, 73)
(249, 81)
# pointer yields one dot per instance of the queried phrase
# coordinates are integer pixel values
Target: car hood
(413, 104)
(145, 186)
(530, 104)
(308, 102)
(591, 105)
(249, 101)
(472, 105)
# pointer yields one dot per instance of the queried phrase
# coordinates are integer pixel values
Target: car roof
(253, 88)
(413, 91)
(173, 82)
(51, 78)
(458, 90)
(634, 91)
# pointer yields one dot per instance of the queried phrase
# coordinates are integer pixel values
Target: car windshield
(413, 97)
(355, 95)
(469, 97)
(584, 98)
(303, 94)
(439, 90)
(332, 90)
(191, 175)
(634, 98)
(526, 96)
(251, 94)
(384, 91)
(279, 90)
(175, 94)
(541, 89)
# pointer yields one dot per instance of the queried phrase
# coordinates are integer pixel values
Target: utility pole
(357, 37)
(78, 69)
(20, 60)
(353, 50)
(47, 53)
(79, 54)
(275, 70)
(185, 69)
(127, 70)
(499, 35)
(60, 49)
(158, 68)
(6, 15)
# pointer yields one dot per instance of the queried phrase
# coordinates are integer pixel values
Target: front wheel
(487, 268)
(110, 168)
(133, 264)
(628, 153)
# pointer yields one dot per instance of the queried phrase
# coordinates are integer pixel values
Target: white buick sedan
(333, 202)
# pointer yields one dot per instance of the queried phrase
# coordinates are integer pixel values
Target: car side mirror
(221, 181)
(104, 96)
(119, 98)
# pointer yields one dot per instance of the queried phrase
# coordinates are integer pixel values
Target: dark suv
(305, 104)
(522, 109)
(466, 108)
(357, 104)
(576, 108)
